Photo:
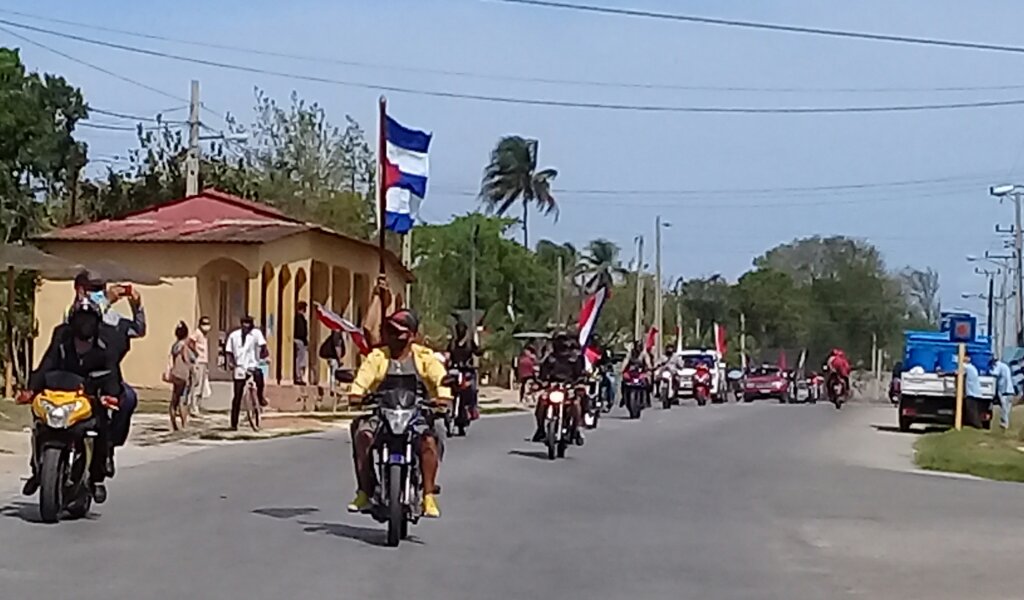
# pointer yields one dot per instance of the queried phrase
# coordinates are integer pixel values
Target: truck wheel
(905, 423)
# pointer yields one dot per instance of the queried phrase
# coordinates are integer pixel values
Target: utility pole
(743, 341)
(1018, 249)
(472, 281)
(638, 316)
(874, 353)
(658, 317)
(192, 158)
(559, 288)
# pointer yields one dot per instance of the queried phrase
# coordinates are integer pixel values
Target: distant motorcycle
(635, 391)
(559, 425)
(595, 400)
(457, 419)
(702, 386)
(666, 387)
(836, 389)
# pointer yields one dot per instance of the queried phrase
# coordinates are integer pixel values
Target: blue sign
(962, 328)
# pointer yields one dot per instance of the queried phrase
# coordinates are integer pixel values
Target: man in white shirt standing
(246, 348)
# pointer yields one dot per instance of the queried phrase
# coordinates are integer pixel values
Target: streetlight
(659, 317)
(1014, 191)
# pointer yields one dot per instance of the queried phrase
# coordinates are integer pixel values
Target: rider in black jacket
(85, 345)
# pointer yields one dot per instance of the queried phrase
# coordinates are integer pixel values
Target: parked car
(767, 381)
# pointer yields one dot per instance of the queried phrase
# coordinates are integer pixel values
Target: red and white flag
(590, 312)
(336, 322)
(652, 338)
(720, 340)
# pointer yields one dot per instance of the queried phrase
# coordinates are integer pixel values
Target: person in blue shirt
(973, 403)
(1004, 390)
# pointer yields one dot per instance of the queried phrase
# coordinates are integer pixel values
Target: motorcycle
(702, 387)
(836, 390)
(666, 387)
(457, 418)
(64, 433)
(635, 390)
(559, 428)
(401, 410)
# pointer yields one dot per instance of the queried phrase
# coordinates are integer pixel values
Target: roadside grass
(994, 454)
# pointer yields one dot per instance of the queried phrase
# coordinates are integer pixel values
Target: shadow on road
(374, 536)
(286, 513)
(538, 454)
(21, 510)
(895, 429)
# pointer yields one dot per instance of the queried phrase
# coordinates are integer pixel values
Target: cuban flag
(589, 313)
(336, 322)
(406, 168)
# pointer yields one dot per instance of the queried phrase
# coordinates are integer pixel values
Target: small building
(223, 257)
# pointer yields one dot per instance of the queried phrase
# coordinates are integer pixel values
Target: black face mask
(85, 326)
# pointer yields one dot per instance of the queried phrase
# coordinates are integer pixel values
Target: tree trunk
(526, 229)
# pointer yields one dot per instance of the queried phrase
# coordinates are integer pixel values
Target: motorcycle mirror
(734, 375)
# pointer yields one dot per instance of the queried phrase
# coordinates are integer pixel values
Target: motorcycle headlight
(556, 397)
(57, 416)
(398, 419)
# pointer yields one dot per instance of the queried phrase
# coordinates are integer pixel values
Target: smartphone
(127, 290)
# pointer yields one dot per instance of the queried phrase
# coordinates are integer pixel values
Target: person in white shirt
(246, 348)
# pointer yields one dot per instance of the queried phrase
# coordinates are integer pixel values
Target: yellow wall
(193, 272)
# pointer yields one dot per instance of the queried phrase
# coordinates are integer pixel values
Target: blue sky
(934, 224)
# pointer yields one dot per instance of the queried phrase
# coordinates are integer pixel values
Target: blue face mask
(100, 299)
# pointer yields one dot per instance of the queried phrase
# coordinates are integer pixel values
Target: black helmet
(84, 318)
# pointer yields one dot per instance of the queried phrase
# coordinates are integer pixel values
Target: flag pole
(382, 150)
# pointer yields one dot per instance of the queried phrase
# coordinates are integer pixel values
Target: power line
(129, 117)
(821, 31)
(103, 70)
(651, 108)
(503, 77)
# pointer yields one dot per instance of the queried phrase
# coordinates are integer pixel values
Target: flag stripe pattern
(406, 169)
(336, 322)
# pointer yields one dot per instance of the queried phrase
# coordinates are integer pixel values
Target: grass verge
(994, 454)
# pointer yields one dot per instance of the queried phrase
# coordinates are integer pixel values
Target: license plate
(945, 411)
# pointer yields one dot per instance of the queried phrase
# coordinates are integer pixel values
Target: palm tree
(600, 265)
(512, 176)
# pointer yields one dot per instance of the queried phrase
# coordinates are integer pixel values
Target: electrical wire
(103, 70)
(501, 77)
(650, 108)
(820, 31)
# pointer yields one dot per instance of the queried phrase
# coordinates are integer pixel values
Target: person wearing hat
(83, 346)
(564, 365)
(88, 285)
(399, 354)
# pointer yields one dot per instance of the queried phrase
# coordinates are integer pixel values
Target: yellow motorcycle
(64, 432)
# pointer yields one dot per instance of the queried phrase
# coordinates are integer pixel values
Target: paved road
(729, 502)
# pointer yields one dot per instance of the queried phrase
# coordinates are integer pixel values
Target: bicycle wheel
(252, 408)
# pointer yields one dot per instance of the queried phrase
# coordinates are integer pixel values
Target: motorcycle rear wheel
(396, 512)
(51, 483)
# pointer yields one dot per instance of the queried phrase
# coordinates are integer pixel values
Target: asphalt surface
(737, 501)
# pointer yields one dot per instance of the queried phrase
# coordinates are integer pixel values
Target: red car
(766, 381)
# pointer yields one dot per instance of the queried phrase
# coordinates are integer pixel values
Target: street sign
(962, 328)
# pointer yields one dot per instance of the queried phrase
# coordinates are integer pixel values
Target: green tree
(511, 176)
(600, 265)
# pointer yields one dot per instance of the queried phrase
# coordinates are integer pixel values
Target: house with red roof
(223, 257)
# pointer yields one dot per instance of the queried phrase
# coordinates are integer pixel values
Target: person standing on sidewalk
(245, 349)
(1004, 390)
(973, 403)
(179, 375)
(301, 335)
(200, 344)
(333, 351)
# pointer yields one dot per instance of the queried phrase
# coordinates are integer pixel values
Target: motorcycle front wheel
(51, 484)
(551, 439)
(666, 399)
(396, 512)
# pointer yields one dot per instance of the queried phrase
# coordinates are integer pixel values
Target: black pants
(973, 410)
(236, 400)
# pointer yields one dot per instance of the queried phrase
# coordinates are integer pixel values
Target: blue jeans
(121, 420)
(1006, 406)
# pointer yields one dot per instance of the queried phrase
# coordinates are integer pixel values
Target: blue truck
(927, 392)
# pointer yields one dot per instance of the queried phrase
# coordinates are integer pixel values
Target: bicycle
(251, 401)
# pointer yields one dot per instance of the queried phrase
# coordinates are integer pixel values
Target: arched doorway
(222, 287)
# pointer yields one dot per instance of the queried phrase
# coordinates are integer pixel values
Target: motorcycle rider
(837, 365)
(84, 345)
(104, 296)
(564, 365)
(637, 358)
(399, 354)
(462, 350)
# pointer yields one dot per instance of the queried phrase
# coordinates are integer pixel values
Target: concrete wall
(265, 281)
